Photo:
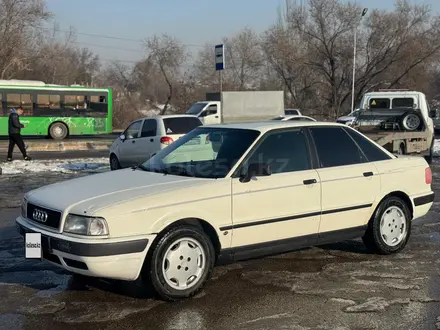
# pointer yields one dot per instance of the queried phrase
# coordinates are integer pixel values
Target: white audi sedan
(227, 193)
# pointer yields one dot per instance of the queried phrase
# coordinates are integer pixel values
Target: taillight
(428, 175)
(166, 140)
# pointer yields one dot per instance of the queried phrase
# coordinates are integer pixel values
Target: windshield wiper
(142, 167)
(178, 170)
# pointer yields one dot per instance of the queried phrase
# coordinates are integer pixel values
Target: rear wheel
(390, 228)
(181, 263)
(58, 131)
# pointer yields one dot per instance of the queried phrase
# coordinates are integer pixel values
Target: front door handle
(368, 174)
(310, 181)
(216, 116)
(133, 141)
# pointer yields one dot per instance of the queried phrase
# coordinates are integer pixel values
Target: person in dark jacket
(14, 130)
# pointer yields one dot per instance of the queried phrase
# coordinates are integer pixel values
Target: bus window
(48, 102)
(98, 105)
(15, 100)
(74, 102)
(70, 101)
(1, 106)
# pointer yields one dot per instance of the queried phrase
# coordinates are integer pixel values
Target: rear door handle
(310, 181)
(368, 173)
(133, 141)
(151, 140)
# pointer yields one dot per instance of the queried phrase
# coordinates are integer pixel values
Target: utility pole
(364, 12)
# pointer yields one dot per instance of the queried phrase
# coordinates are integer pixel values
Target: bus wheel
(58, 131)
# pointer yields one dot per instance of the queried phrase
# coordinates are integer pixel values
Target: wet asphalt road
(339, 286)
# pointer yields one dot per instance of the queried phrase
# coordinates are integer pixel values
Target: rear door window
(180, 125)
(371, 151)
(335, 147)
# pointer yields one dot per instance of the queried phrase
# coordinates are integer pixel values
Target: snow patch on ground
(94, 165)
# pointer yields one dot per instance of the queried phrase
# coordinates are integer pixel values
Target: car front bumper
(119, 259)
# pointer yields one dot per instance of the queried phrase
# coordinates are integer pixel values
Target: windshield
(353, 113)
(205, 152)
(291, 112)
(196, 108)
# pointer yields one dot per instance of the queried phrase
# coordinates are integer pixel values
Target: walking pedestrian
(14, 130)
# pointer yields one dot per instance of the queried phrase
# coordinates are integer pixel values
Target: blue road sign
(219, 57)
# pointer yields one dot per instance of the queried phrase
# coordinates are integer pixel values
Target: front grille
(43, 216)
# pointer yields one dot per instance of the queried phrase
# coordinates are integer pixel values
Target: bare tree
(244, 59)
(168, 54)
(20, 24)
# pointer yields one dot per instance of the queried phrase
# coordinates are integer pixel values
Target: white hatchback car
(146, 136)
(226, 193)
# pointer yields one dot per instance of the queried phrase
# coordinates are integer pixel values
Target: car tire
(58, 131)
(114, 163)
(411, 121)
(182, 252)
(389, 229)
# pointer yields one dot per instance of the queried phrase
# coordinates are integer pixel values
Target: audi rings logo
(39, 215)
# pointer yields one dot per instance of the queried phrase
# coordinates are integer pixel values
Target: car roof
(287, 117)
(169, 116)
(264, 126)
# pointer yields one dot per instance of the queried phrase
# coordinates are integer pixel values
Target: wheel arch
(205, 226)
(397, 193)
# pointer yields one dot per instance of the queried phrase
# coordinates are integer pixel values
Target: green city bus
(56, 111)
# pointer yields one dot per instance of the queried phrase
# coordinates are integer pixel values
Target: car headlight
(90, 226)
(24, 208)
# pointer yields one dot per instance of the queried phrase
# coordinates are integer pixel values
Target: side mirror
(432, 113)
(255, 169)
(122, 137)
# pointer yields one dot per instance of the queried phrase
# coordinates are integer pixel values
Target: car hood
(346, 118)
(90, 193)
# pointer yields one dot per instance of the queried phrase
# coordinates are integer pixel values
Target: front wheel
(114, 163)
(181, 263)
(390, 227)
